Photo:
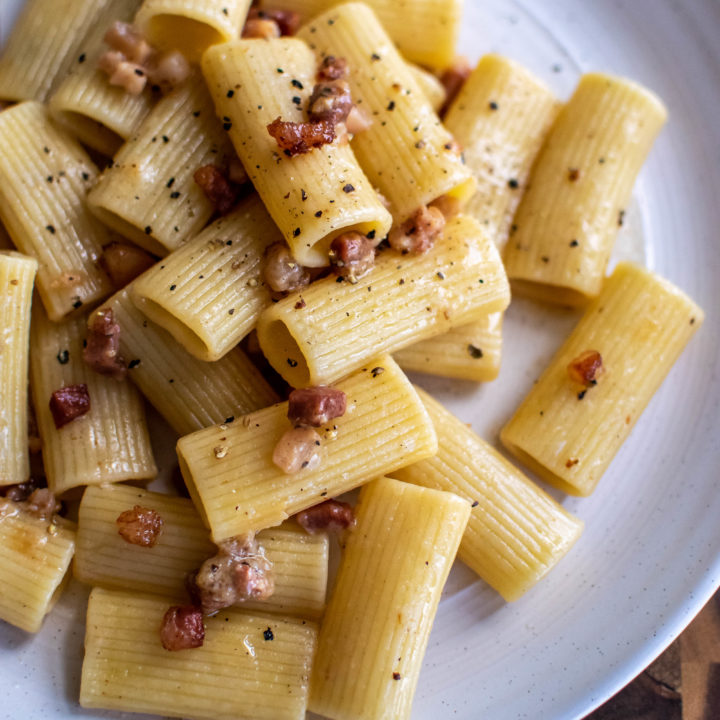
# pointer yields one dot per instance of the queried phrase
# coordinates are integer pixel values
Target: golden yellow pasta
(378, 621)
(237, 488)
(565, 226)
(576, 417)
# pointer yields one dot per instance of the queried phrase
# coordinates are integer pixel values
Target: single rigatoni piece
(36, 554)
(44, 176)
(85, 104)
(250, 666)
(313, 196)
(376, 627)
(44, 43)
(578, 414)
(188, 393)
(321, 333)
(425, 31)
(209, 293)
(406, 152)
(149, 194)
(468, 352)
(191, 26)
(565, 226)
(500, 118)
(431, 86)
(17, 276)
(103, 557)
(517, 533)
(110, 443)
(237, 488)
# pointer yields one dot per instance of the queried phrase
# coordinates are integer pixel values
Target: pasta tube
(191, 26)
(126, 667)
(188, 393)
(566, 223)
(468, 352)
(110, 442)
(229, 471)
(516, 533)
(209, 293)
(405, 299)
(17, 275)
(500, 118)
(406, 152)
(314, 196)
(378, 620)
(149, 194)
(44, 175)
(102, 557)
(35, 557)
(100, 115)
(425, 31)
(45, 42)
(576, 417)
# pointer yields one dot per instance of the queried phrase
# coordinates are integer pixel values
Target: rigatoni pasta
(35, 558)
(516, 533)
(299, 560)
(321, 333)
(406, 152)
(149, 194)
(468, 352)
(126, 667)
(312, 197)
(188, 393)
(17, 276)
(100, 115)
(565, 226)
(44, 176)
(110, 443)
(500, 117)
(209, 293)
(579, 413)
(237, 488)
(378, 621)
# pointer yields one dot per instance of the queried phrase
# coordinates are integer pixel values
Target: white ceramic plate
(650, 555)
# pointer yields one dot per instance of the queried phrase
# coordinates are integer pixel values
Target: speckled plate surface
(650, 554)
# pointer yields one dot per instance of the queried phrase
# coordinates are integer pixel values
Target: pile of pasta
(532, 190)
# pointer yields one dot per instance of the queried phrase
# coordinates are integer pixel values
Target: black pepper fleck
(133, 364)
(50, 229)
(391, 105)
(475, 504)
(268, 634)
(475, 352)
(296, 83)
(348, 188)
(175, 195)
(581, 394)
(148, 230)
(296, 232)
(318, 213)
(513, 184)
(230, 93)
(82, 58)
(493, 105)
(77, 304)
(574, 243)
(292, 363)
(63, 356)
(377, 371)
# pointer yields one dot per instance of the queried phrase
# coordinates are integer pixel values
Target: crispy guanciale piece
(68, 403)
(140, 526)
(42, 504)
(123, 262)
(453, 79)
(298, 449)
(167, 70)
(122, 72)
(419, 232)
(352, 255)
(217, 188)
(331, 515)
(333, 68)
(261, 28)
(287, 21)
(102, 349)
(298, 138)
(315, 406)
(240, 571)
(586, 368)
(125, 38)
(281, 271)
(182, 628)
(330, 101)
(21, 491)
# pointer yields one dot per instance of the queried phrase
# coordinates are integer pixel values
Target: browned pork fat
(330, 101)
(42, 504)
(123, 262)
(261, 28)
(331, 515)
(315, 406)
(333, 68)
(68, 403)
(217, 188)
(297, 138)
(298, 449)
(287, 21)
(182, 628)
(102, 349)
(281, 271)
(586, 368)
(352, 255)
(140, 526)
(419, 232)
(453, 79)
